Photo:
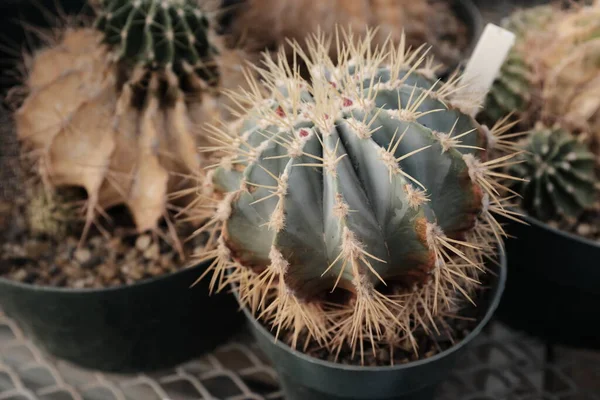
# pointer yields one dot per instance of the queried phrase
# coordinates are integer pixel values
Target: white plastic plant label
(484, 66)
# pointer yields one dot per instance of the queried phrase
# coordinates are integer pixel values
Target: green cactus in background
(526, 19)
(356, 208)
(552, 74)
(561, 175)
(511, 91)
(159, 34)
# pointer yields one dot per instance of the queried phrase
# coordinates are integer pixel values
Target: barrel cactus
(358, 207)
(560, 175)
(118, 108)
(512, 90)
(553, 73)
(161, 34)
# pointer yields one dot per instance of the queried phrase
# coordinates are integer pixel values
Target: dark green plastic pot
(306, 378)
(553, 290)
(151, 325)
(470, 15)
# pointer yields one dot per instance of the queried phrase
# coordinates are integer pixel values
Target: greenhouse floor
(500, 365)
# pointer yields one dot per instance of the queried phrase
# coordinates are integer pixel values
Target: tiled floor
(500, 365)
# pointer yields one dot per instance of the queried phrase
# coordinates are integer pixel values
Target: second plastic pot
(151, 325)
(306, 378)
(553, 290)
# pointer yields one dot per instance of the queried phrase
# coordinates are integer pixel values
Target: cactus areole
(358, 207)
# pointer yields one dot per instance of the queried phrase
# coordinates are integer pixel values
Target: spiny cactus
(161, 34)
(124, 130)
(560, 175)
(512, 89)
(357, 207)
(553, 73)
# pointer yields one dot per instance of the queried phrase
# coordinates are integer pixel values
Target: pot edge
(498, 291)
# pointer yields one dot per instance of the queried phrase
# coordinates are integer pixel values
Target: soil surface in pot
(452, 330)
(586, 226)
(111, 258)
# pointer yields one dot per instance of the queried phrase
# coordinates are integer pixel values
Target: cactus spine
(357, 208)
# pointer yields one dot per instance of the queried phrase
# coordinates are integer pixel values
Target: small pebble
(20, 275)
(107, 272)
(152, 252)
(166, 260)
(96, 241)
(131, 255)
(155, 270)
(584, 230)
(82, 255)
(36, 249)
(78, 284)
(143, 242)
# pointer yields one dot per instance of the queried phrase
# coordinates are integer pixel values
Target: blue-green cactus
(358, 206)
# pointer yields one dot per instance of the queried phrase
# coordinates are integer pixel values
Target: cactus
(553, 73)
(560, 173)
(160, 34)
(512, 89)
(102, 115)
(357, 207)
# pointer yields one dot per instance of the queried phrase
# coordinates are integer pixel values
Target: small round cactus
(560, 175)
(358, 207)
(159, 34)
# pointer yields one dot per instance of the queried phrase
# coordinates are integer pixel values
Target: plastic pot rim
(493, 305)
(77, 291)
(475, 21)
(567, 235)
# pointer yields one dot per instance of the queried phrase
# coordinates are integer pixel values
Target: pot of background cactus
(354, 221)
(452, 28)
(95, 260)
(551, 81)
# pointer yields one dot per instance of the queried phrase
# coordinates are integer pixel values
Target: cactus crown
(159, 34)
(357, 206)
(560, 172)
